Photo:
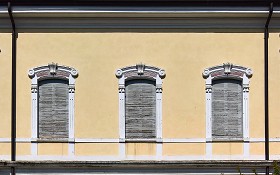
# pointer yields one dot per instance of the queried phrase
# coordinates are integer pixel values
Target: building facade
(147, 86)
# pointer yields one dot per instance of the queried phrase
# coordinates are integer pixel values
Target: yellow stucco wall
(97, 55)
(5, 148)
(97, 149)
(53, 149)
(274, 84)
(227, 148)
(257, 148)
(5, 84)
(177, 149)
(140, 149)
(23, 148)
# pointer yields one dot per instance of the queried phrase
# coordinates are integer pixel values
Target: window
(140, 103)
(52, 93)
(53, 109)
(227, 95)
(140, 109)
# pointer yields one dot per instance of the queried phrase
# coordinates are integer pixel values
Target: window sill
(143, 140)
(64, 140)
(227, 140)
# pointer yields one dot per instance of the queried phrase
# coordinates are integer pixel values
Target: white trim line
(107, 140)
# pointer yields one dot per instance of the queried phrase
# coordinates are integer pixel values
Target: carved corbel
(53, 67)
(227, 68)
(140, 68)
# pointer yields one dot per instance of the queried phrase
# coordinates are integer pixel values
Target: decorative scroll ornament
(227, 68)
(249, 73)
(53, 68)
(206, 73)
(140, 68)
(119, 73)
(74, 73)
(31, 73)
(161, 73)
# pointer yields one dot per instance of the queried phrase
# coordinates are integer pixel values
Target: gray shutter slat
(140, 109)
(53, 109)
(227, 103)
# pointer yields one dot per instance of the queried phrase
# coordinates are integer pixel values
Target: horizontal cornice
(243, 19)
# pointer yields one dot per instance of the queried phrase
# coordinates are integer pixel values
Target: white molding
(246, 149)
(208, 150)
(227, 71)
(34, 148)
(122, 109)
(108, 140)
(159, 151)
(51, 71)
(122, 151)
(71, 149)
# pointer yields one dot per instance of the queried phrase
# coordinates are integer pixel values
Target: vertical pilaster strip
(71, 96)
(122, 109)
(159, 117)
(159, 150)
(208, 150)
(246, 144)
(159, 108)
(246, 149)
(34, 113)
(208, 96)
(122, 151)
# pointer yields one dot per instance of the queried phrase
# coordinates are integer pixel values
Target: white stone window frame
(52, 71)
(140, 71)
(227, 71)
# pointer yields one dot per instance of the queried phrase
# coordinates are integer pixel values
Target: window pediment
(227, 70)
(52, 70)
(140, 71)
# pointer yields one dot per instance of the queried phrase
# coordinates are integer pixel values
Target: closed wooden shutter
(53, 109)
(140, 109)
(227, 103)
